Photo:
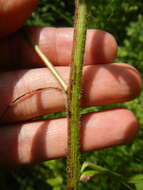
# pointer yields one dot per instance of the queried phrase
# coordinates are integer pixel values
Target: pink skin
(101, 48)
(17, 11)
(30, 142)
(98, 81)
(42, 140)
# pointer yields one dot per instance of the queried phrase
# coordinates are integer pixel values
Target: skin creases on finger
(37, 141)
(101, 85)
(56, 43)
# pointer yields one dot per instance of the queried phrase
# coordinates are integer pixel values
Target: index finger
(56, 44)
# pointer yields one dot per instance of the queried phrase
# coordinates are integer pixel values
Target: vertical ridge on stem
(80, 27)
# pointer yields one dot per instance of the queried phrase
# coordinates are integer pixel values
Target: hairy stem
(73, 162)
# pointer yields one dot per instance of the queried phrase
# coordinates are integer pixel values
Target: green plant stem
(73, 163)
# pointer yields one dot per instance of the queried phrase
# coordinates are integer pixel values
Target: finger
(13, 14)
(101, 47)
(42, 140)
(28, 93)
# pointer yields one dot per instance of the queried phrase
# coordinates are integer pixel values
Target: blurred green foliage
(124, 19)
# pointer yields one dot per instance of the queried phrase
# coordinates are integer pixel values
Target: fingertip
(131, 126)
(135, 81)
(101, 47)
(116, 126)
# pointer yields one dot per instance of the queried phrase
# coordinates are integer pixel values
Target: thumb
(13, 14)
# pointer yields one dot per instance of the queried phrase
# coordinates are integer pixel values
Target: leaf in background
(93, 167)
(137, 180)
(89, 170)
(89, 174)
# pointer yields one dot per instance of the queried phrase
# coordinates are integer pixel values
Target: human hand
(24, 90)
